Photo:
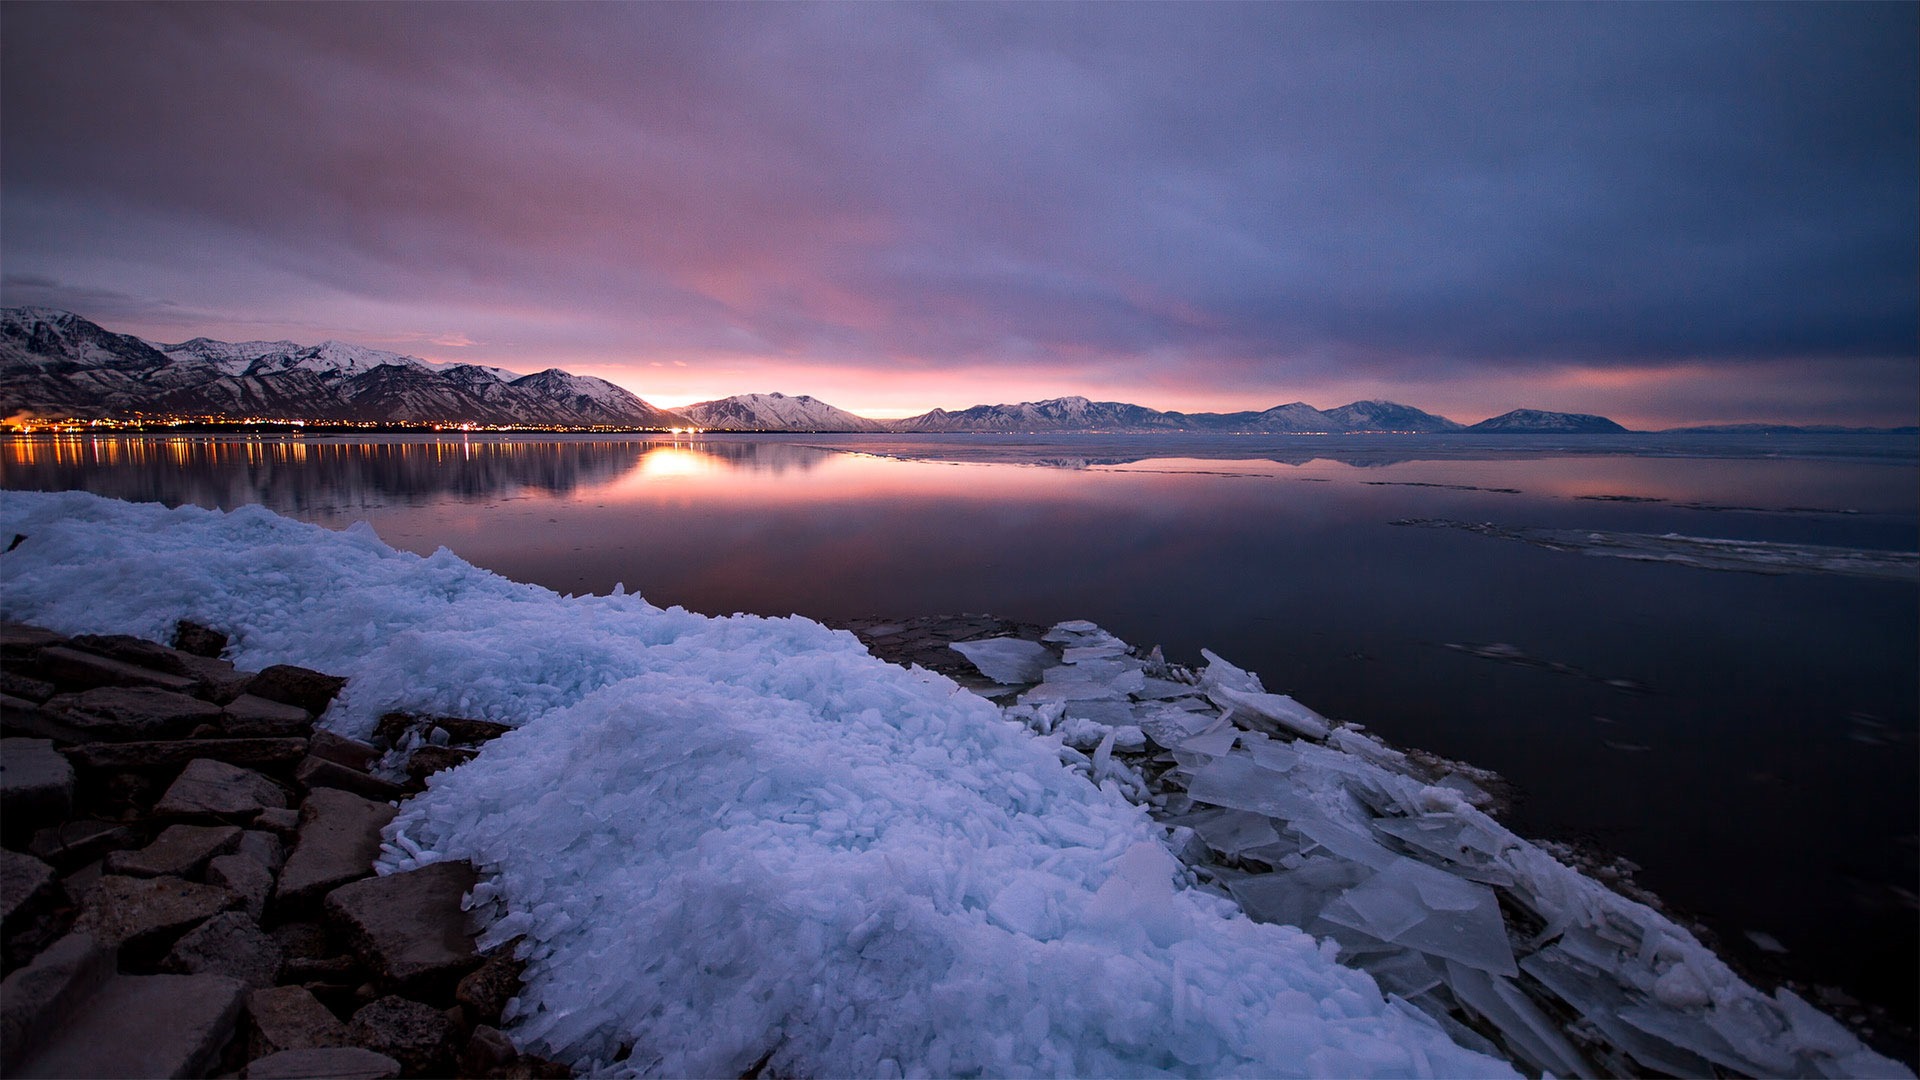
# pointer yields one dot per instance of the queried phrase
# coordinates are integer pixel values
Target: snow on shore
(732, 838)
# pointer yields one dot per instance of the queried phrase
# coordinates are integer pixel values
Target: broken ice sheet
(1534, 1037)
(1169, 727)
(1597, 995)
(1007, 660)
(1234, 831)
(1413, 904)
(1237, 782)
(1293, 897)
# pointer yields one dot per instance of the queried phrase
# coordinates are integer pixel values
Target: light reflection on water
(1766, 778)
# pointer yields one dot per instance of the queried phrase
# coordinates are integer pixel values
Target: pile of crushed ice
(731, 842)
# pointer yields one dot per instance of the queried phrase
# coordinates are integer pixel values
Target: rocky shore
(187, 879)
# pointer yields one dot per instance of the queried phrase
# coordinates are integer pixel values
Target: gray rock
(258, 753)
(408, 928)
(142, 1025)
(77, 882)
(246, 878)
(488, 1050)
(427, 760)
(485, 992)
(420, 1037)
(309, 689)
(339, 839)
(191, 637)
(214, 790)
(42, 996)
(282, 822)
(302, 940)
(133, 650)
(290, 1018)
(140, 912)
(264, 848)
(20, 640)
(323, 1063)
(71, 843)
(216, 680)
(25, 885)
(72, 667)
(352, 753)
(132, 713)
(318, 772)
(229, 944)
(36, 786)
(181, 850)
(15, 685)
(252, 716)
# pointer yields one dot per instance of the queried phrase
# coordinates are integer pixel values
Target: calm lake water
(1748, 739)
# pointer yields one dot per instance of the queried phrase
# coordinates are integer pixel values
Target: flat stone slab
(318, 772)
(36, 785)
(182, 850)
(158, 755)
(352, 753)
(132, 713)
(328, 1063)
(427, 760)
(142, 1026)
(244, 877)
(420, 1037)
(71, 843)
(408, 928)
(252, 716)
(310, 690)
(74, 667)
(209, 789)
(229, 944)
(291, 1018)
(18, 639)
(24, 881)
(339, 839)
(37, 998)
(198, 640)
(14, 684)
(121, 911)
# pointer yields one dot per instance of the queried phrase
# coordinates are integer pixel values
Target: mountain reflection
(302, 475)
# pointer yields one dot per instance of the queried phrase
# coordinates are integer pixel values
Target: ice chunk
(1689, 1033)
(1470, 849)
(1340, 840)
(1535, 1038)
(1074, 654)
(1237, 782)
(1235, 831)
(1598, 997)
(1270, 712)
(1156, 689)
(1108, 711)
(1170, 727)
(1005, 659)
(1221, 674)
(1294, 897)
(1415, 905)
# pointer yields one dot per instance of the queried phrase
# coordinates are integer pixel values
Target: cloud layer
(1671, 212)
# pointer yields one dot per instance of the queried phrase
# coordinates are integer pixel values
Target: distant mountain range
(55, 364)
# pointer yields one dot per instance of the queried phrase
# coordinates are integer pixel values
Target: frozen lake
(1561, 612)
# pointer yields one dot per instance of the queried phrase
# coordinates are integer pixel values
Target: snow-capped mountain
(1079, 414)
(775, 412)
(1535, 421)
(55, 362)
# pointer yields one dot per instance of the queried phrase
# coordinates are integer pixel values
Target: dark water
(1748, 739)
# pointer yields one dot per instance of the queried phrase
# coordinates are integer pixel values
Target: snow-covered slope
(1388, 416)
(59, 363)
(775, 412)
(1056, 414)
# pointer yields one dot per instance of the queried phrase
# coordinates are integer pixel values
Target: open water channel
(1737, 719)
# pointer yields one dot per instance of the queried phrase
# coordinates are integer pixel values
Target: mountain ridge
(57, 363)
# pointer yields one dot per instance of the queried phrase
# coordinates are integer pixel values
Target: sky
(1664, 213)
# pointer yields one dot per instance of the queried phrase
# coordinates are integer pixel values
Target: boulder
(420, 1037)
(198, 640)
(318, 772)
(141, 1025)
(264, 848)
(140, 912)
(352, 753)
(278, 822)
(216, 680)
(488, 1051)
(339, 839)
(72, 843)
(485, 992)
(246, 878)
(252, 716)
(19, 641)
(229, 944)
(427, 760)
(132, 713)
(132, 650)
(408, 929)
(21, 718)
(36, 786)
(309, 689)
(302, 940)
(257, 753)
(290, 1018)
(323, 1063)
(214, 790)
(15, 685)
(72, 667)
(38, 999)
(25, 885)
(180, 850)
